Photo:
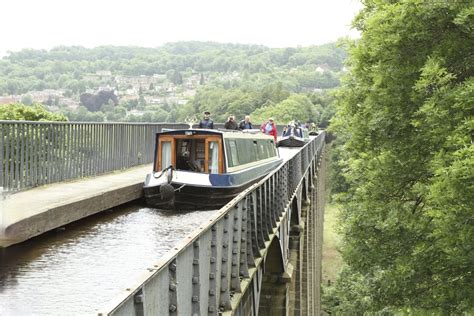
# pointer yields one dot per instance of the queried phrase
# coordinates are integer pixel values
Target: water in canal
(77, 270)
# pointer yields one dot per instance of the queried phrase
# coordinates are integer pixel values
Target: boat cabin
(212, 152)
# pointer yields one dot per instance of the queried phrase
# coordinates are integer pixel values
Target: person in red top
(269, 128)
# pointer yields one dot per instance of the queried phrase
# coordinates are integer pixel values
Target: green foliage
(83, 115)
(233, 79)
(26, 100)
(176, 78)
(222, 102)
(338, 167)
(21, 112)
(66, 67)
(117, 114)
(406, 114)
(94, 102)
(295, 107)
(259, 102)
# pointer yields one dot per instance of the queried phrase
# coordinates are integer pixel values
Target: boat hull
(191, 197)
(201, 191)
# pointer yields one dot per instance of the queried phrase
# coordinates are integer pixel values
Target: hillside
(170, 82)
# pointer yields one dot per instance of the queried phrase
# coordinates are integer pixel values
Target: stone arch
(274, 261)
(304, 192)
(273, 295)
(295, 214)
(310, 177)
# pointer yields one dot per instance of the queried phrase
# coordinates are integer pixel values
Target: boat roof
(255, 133)
(193, 131)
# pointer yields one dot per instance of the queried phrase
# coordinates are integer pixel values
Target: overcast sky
(90, 23)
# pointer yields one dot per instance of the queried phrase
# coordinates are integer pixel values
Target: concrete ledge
(33, 212)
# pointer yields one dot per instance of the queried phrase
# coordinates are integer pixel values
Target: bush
(35, 112)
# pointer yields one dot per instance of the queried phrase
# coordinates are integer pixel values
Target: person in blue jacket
(245, 123)
(206, 122)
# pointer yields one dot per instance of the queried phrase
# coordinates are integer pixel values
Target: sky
(44, 24)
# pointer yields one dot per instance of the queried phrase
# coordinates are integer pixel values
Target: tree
(94, 102)
(141, 102)
(406, 114)
(117, 114)
(35, 112)
(177, 78)
(83, 115)
(27, 99)
(49, 101)
(296, 107)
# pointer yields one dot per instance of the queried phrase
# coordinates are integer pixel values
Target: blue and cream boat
(205, 169)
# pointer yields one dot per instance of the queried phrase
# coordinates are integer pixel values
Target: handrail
(34, 153)
(235, 237)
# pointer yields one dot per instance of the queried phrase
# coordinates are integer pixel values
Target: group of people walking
(268, 127)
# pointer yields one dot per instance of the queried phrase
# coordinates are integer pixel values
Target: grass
(332, 260)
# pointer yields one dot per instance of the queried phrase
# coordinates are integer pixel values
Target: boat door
(166, 153)
(214, 155)
(205, 149)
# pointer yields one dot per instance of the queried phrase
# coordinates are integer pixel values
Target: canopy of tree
(261, 103)
(406, 116)
(93, 102)
(21, 112)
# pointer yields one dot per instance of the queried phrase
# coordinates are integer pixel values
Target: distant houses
(10, 99)
(156, 89)
(49, 97)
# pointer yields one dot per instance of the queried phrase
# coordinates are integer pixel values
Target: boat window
(200, 154)
(266, 149)
(262, 151)
(271, 148)
(247, 150)
(232, 153)
(190, 154)
(213, 157)
(243, 151)
(165, 154)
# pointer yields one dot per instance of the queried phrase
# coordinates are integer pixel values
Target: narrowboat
(293, 137)
(205, 169)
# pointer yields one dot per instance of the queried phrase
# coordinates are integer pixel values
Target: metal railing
(212, 269)
(38, 153)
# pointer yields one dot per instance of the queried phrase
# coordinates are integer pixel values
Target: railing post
(195, 283)
(2, 160)
(257, 209)
(252, 248)
(213, 310)
(173, 296)
(273, 203)
(265, 209)
(245, 248)
(236, 249)
(224, 303)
